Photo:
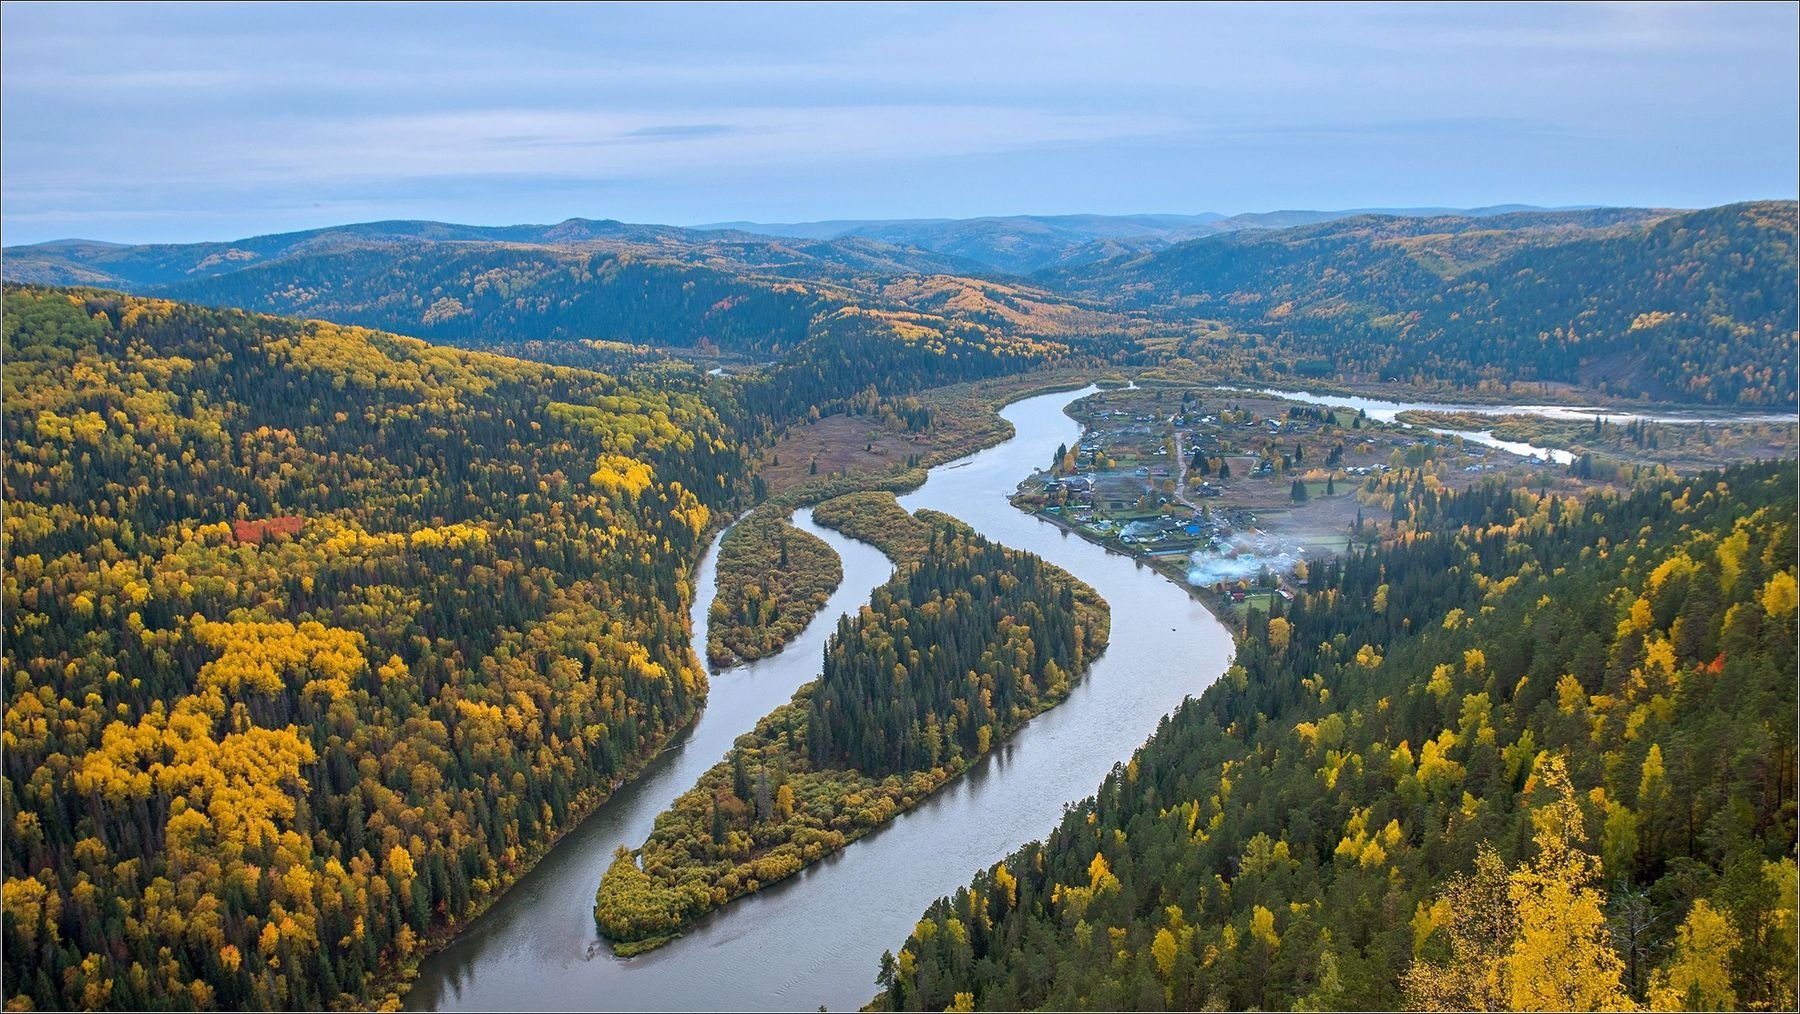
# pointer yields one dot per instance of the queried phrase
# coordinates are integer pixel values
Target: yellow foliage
(1698, 975)
(1100, 876)
(1262, 927)
(1280, 630)
(1162, 951)
(1562, 957)
(1778, 596)
(264, 657)
(399, 863)
(619, 476)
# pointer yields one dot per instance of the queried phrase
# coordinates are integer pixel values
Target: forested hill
(1694, 307)
(1532, 753)
(651, 285)
(70, 262)
(314, 636)
(1698, 307)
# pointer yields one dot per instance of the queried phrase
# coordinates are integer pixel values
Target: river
(816, 939)
(1383, 410)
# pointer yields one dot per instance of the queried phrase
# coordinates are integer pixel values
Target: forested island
(966, 643)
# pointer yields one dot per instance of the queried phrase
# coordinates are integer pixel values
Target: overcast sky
(142, 123)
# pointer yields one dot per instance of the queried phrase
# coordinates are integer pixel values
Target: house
(1141, 531)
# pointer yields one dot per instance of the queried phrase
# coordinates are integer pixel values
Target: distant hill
(481, 285)
(1696, 306)
(1021, 244)
(76, 261)
(1644, 303)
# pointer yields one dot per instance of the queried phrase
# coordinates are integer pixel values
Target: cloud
(696, 114)
(593, 144)
(680, 131)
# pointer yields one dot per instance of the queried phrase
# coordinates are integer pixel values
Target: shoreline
(1195, 592)
(390, 989)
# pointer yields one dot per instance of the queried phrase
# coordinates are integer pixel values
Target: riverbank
(1495, 395)
(828, 768)
(394, 982)
(1608, 441)
(1231, 493)
(891, 446)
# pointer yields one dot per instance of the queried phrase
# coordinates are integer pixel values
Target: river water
(1383, 410)
(816, 939)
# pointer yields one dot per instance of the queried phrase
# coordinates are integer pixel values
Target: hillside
(315, 637)
(1531, 753)
(1697, 307)
(69, 262)
(477, 286)
(1021, 244)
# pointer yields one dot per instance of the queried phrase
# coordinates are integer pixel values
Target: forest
(315, 637)
(1695, 307)
(966, 643)
(1634, 303)
(1529, 752)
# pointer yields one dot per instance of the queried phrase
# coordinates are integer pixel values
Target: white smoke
(1243, 557)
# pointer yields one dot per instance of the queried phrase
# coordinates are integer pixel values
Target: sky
(175, 123)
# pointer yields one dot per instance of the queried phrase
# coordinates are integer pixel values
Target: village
(1232, 494)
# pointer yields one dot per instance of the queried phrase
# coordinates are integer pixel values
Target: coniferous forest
(1531, 752)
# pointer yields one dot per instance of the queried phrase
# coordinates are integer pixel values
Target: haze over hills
(1640, 303)
(1017, 244)
(93, 262)
(1021, 244)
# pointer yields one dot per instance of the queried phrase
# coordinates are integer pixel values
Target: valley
(333, 577)
(1069, 507)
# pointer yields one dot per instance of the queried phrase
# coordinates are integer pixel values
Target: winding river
(816, 939)
(1383, 410)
